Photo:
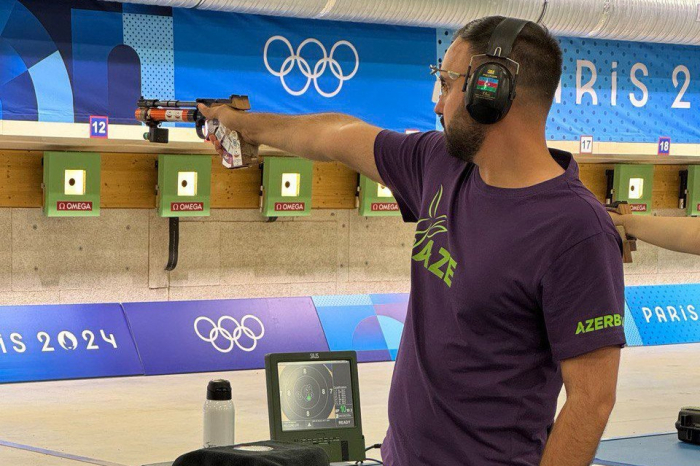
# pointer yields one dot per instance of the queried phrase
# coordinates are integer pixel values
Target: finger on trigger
(208, 112)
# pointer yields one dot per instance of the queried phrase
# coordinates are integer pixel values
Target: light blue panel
(666, 314)
(54, 94)
(443, 39)
(346, 300)
(389, 298)
(623, 121)
(341, 324)
(151, 36)
(392, 330)
(647, 450)
(631, 331)
(670, 109)
(368, 336)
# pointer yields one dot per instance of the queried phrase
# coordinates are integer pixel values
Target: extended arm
(590, 381)
(322, 137)
(681, 234)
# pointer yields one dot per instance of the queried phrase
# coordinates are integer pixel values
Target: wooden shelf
(129, 173)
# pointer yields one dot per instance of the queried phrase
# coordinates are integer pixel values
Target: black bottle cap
(219, 390)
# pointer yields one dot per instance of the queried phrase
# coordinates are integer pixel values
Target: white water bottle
(219, 415)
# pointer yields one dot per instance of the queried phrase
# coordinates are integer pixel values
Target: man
(516, 281)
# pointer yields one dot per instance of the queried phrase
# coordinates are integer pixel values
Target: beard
(464, 137)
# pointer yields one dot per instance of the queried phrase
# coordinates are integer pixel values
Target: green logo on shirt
(599, 323)
(441, 264)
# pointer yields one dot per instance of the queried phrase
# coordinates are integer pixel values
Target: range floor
(141, 420)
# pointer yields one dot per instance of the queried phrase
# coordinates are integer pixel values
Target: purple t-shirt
(505, 283)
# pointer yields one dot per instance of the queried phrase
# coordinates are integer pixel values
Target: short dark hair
(537, 51)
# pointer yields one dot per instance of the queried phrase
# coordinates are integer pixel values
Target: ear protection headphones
(490, 90)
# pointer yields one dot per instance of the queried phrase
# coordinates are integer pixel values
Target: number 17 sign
(586, 145)
(99, 127)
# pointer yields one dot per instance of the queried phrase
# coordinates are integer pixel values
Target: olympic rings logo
(233, 334)
(320, 67)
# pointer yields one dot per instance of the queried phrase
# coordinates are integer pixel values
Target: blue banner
(205, 336)
(627, 92)
(372, 325)
(377, 73)
(65, 342)
(66, 60)
(665, 314)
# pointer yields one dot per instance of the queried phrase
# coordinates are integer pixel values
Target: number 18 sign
(664, 145)
(99, 127)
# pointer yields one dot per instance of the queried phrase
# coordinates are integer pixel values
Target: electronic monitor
(315, 398)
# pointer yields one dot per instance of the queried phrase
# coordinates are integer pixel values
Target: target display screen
(316, 395)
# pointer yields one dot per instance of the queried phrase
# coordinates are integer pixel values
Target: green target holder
(184, 185)
(376, 200)
(184, 190)
(693, 203)
(286, 187)
(633, 184)
(71, 184)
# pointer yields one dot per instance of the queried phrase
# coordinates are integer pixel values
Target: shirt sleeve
(401, 160)
(583, 298)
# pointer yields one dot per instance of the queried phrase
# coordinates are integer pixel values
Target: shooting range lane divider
(55, 342)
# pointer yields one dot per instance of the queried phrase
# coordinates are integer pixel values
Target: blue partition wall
(107, 340)
(369, 324)
(65, 342)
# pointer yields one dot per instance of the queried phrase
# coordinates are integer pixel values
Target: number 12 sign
(99, 127)
(664, 146)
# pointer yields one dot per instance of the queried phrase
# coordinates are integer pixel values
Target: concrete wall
(121, 256)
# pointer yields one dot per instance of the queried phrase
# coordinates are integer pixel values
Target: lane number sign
(586, 145)
(99, 127)
(664, 146)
